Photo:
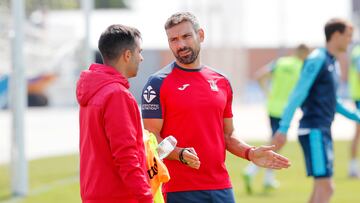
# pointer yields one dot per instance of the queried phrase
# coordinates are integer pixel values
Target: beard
(188, 59)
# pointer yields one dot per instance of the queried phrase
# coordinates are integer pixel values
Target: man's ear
(127, 55)
(201, 34)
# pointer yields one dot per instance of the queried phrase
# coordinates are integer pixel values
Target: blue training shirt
(315, 92)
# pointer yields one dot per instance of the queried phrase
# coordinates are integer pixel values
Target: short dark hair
(116, 39)
(335, 25)
(180, 17)
(301, 48)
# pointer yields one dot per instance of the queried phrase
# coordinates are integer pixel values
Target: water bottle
(166, 146)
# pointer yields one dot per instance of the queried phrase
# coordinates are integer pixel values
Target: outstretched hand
(264, 156)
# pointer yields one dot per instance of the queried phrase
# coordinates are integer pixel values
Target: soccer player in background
(282, 74)
(192, 102)
(354, 84)
(315, 92)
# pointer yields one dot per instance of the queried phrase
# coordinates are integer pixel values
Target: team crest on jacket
(149, 94)
(213, 85)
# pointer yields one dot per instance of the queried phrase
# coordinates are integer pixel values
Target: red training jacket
(112, 155)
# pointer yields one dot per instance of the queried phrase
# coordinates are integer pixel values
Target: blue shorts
(201, 196)
(318, 152)
(274, 123)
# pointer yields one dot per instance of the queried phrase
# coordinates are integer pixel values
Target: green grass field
(55, 180)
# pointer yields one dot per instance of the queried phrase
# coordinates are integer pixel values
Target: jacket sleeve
(308, 75)
(353, 115)
(122, 123)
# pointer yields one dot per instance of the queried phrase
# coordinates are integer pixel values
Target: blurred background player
(315, 92)
(354, 84)
(282, 75)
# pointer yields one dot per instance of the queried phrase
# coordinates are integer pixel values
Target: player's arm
(307, 77)
(154, 125)
(263, 75)
(234, 144)
(353, 115)
(151, 109)
(263, 156)
(120, 120)
(340, 108)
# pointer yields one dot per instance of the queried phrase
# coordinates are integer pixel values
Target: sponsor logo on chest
(183, 87)
(212, 85)
(149, 94)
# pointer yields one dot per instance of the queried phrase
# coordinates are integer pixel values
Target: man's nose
(181, 44)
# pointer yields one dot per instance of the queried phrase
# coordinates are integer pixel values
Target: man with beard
(192, 102)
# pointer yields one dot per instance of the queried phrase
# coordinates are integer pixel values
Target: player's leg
(317, 147)
(269, 179)
(248, 175)
(354, 164)
(323, 190)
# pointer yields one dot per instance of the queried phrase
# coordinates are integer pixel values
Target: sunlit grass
(55, 180)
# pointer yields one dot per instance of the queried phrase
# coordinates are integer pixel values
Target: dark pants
(201, 196)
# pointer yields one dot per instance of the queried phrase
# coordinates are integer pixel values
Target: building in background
(242, 36)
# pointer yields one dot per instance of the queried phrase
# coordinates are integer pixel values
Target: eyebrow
(188, 33)
(185, 34)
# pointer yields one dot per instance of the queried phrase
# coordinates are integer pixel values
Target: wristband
(181, 157)
(247, 153)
